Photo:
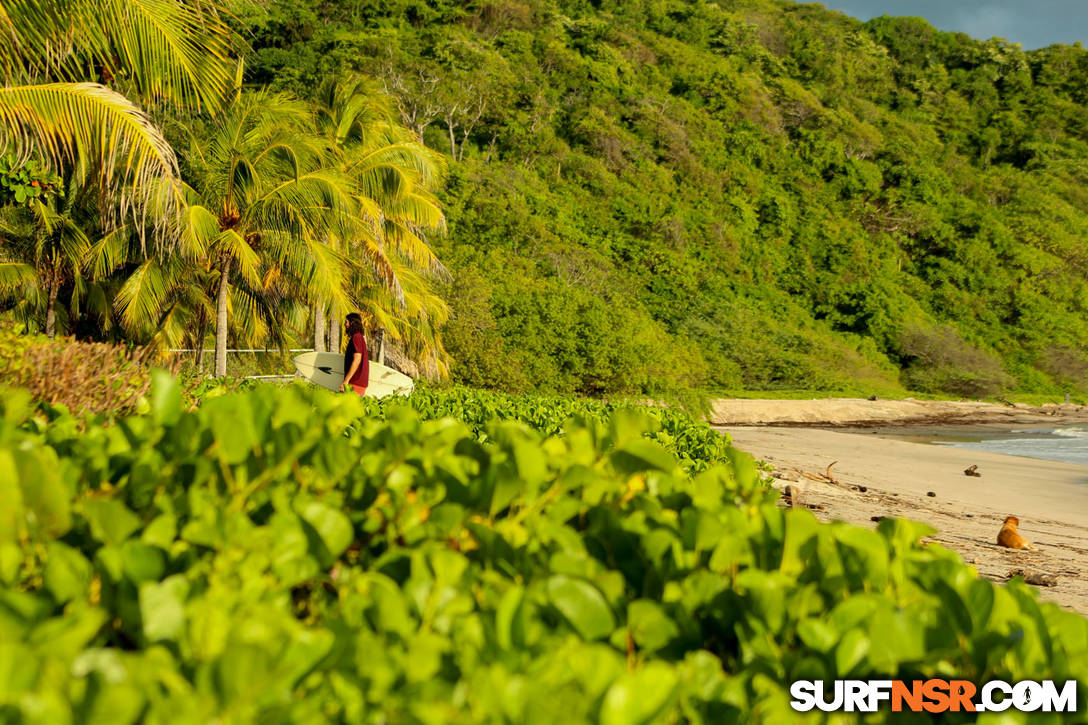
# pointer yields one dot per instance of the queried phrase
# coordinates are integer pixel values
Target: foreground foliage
(276, 555)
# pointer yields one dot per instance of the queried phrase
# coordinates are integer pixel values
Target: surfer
(356, 362)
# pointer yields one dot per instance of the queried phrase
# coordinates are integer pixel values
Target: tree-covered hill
(647, 194)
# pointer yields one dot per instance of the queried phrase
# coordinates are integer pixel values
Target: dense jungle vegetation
(607, 197)
(751, 193)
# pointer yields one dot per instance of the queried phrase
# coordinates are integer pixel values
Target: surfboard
(327, 370)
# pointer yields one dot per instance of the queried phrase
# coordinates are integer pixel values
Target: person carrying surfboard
(356, 361)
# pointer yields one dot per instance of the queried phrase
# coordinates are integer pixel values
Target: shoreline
(873, 476)
(906, 413)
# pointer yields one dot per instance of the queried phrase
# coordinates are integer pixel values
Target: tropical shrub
(279, 556)
(694, 444)
(940, 361)
(83, 377)
(21, 181)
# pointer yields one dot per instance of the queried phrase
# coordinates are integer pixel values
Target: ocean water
(1068, 444)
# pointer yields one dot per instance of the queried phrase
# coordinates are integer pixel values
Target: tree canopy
(737, 193)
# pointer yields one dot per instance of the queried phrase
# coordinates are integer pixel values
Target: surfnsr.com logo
(933, 696)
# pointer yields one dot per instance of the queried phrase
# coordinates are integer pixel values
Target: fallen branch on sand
(825, 477)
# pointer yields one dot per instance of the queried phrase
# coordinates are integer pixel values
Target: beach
(862, 475)
(854, 412)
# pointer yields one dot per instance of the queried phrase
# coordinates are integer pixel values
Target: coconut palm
(393, 172)
(154, 51)
(259, 202)
(46, 246)
(413, 323)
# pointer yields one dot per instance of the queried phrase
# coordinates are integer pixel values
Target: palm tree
(259, 203)
(414, 322)
(51, 105)
(393, 172)
(47, 243)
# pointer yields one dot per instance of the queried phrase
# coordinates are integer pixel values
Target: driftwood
(972, 471)
(824, 477)
(1037, 578)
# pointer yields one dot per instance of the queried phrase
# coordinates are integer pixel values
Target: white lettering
(803, 693)
(1027, 696)
(1065, 701)
(836, 703)
(855, 696)
(879, 691)
(988, 704)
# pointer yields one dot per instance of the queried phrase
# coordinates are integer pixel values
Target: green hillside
(656, 194)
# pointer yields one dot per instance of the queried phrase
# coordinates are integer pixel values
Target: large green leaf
(583, 605)
(67, 574)
(162, 608)
(638, 697)
(649, 625)
(332, 526)
(36, 500)
(110, 520)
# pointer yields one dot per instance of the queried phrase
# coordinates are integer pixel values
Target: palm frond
(404, 157)
(246, 261)
(16, 277)
(198, 230)
(61, 233)
(314, 204)
(184, 52)
(143, 296)
(87, 126)
(107, 254)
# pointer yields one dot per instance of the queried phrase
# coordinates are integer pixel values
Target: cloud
(988, 21)
(1033, 25)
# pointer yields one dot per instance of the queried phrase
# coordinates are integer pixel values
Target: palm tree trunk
(221, 321)
(319, 326)
(201, 332)
(381, 346)
(334, 328)
(51, 307)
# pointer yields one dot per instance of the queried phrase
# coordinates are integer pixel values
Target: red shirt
(357, 344)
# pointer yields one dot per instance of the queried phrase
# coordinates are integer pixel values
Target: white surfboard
(327, 370)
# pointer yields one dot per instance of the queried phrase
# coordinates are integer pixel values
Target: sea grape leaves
(582, 605)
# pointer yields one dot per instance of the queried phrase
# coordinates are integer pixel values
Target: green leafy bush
(22, 180)
(694, 444)
(277, 555)
(940, 361)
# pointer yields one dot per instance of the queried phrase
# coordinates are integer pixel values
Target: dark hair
(355, 323)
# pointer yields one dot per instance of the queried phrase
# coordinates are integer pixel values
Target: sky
(1032, 23)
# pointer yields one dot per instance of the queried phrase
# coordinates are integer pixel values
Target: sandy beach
(852, 412)
(875, 476)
